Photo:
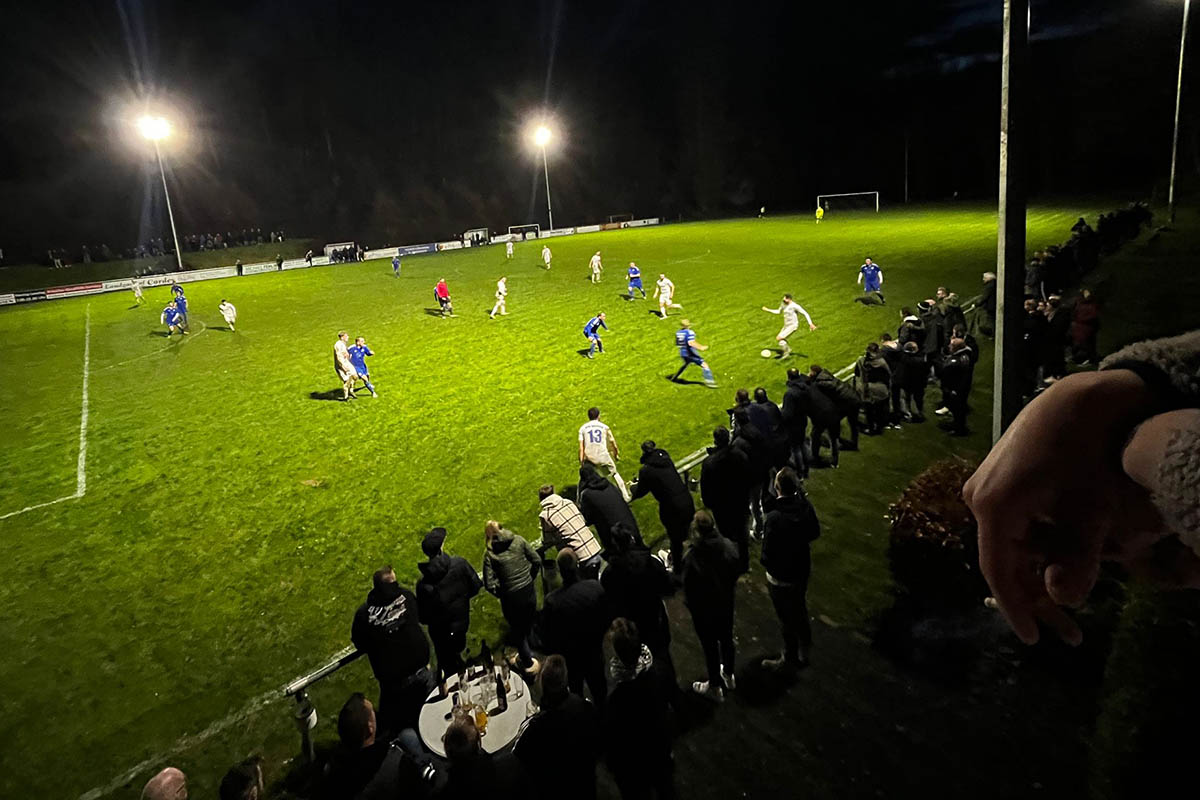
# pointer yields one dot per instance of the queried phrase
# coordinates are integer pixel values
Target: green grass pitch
(231, 521)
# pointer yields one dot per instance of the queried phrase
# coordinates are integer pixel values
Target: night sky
(401, 121)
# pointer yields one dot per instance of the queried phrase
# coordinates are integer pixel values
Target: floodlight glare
(541, 137)
(154, 128)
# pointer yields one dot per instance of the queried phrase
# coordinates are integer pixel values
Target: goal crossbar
(821, 197)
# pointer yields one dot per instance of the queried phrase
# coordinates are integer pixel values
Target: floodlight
(154, 128)
(541, 137)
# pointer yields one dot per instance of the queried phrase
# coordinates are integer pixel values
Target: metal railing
(306, 713)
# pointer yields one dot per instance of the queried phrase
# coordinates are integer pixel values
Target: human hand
(812, 327)
(1051, 493)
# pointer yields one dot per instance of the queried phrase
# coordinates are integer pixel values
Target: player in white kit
(665, 292)
(342, 366)
(508, 250)
(596, 267)
(136, 286)
(228, 312)
(598, 445)
(546, 255)
(791, 311)
(501, 297)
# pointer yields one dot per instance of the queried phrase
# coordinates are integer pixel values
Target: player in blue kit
(172, 318)
(635, 280)
(396, 265)
(689, 351)
(592, 332)
(870, 276)
(358, 357)
(181, 307)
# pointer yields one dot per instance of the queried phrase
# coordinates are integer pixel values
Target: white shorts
(346, 373)
(786, 331)
(230, 318)
(664, 299)
(602, 461)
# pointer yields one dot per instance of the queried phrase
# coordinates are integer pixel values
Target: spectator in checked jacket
(563, 526)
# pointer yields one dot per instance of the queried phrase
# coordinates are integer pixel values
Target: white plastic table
(502, 729)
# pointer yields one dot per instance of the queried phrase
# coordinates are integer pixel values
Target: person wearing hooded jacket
(658, 477)
(710, 574)
(444, 594)
(509, 566)
(791, 526)
(845, 400)
(801, 401)
(874, 380)
(725, 488)
(603, 505)
(386, 627)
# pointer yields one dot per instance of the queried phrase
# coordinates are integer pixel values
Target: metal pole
(170, 214)
(1010, 244)
(546, 167)
(1187, 5)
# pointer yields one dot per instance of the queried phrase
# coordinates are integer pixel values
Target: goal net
(849, 201)
(521, 232)
(626, 217)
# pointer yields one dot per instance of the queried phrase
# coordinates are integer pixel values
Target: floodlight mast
(1187, 6)
(541, 137)
(154, 129)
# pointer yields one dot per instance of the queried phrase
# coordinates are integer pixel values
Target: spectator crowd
(599, 645)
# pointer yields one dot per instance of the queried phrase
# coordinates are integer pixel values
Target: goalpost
(626, 217)
(521, 232)
(848, 201)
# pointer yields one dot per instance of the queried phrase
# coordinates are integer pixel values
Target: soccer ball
(766, 354)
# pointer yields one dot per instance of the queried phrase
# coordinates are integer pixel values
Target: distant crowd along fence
(190, 276)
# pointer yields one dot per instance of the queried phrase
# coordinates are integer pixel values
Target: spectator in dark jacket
(956, 385)
(388, 630)
(874, 381)
(472, 773)
(710, 572)
(559, 743)
(1058, 325)
(804, 400)
(791, 526)
(509, 567)
(795, 410)
(1085, 324)
(635, 585)
(753, 442)
(845, 401)
(444, 595)
(602, 504)
(637, 733)
(574, 619)
(658, 477)
(769, 420)
(914, 375)
(369, 766)
(935, 331)
(912, 328)
(892, 356)
(725, 480)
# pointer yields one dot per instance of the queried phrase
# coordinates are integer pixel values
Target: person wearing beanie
(444, 594)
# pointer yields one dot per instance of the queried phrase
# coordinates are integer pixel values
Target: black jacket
(753, 442)
(444, 593)
(789, 527)
(914, 372)
(635, 583)
(574, 619)
(725, 478)
(956, 378)
(801, 401)
(559, 746)
(874, 379)
(386, 627)
(912, 329)
(710, 571)
(769, 420)
(637, 733)
(602, 505)
(845, 399)
(658, 477)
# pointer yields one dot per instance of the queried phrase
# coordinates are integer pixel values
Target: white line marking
(183, 743)
(81, 463)
(159, 351)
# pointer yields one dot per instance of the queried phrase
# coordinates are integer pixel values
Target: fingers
(1009, 569)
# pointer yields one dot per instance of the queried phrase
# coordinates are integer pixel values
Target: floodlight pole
(546, 168)
(1010, 244)
(170, 214)
(1187, 6)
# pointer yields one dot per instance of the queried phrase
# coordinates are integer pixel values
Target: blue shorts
(870, 288)
(362, 372)
(692, 357)
(635, 283)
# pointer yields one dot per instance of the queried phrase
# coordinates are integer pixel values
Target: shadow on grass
(684, 381)
(584, 351)
(332, 394)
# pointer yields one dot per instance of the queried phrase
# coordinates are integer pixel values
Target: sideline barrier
(212, 273)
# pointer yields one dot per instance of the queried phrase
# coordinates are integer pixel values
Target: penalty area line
(81, 462)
